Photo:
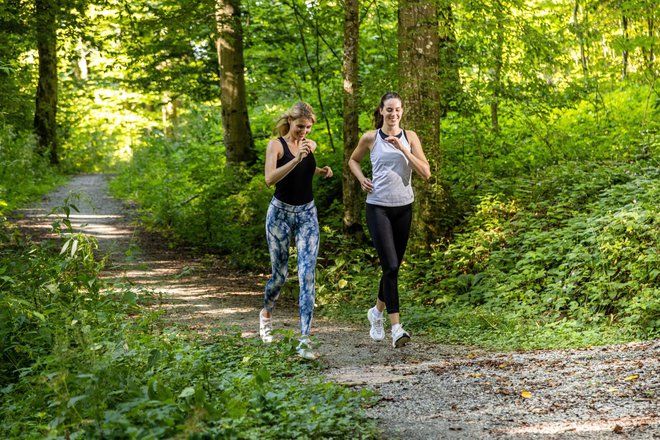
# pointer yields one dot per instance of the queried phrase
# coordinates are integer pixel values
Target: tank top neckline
(287, 150)
(384, 135)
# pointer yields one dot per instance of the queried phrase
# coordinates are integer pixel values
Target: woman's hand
(363, 147)
(396, 142)
(325, 172)
(367, 185)
(415, 155)
(304, 148)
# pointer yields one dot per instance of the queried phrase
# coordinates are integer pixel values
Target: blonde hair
(299, 110)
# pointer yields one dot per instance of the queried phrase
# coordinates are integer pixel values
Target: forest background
(540, 118)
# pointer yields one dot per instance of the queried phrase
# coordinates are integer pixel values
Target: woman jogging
(290, 166)
(395, 153)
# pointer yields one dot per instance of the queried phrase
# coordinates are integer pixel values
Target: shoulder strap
(285, 147)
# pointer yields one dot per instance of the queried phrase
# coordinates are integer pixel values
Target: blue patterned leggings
(283, 221)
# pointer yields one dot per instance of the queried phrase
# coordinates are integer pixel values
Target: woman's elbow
(424, 171)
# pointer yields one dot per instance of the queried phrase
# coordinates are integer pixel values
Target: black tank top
(296, 187)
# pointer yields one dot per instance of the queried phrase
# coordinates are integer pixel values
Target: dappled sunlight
(73, 216)
(617, 425)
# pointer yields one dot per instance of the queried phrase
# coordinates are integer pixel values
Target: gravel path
(428, 391)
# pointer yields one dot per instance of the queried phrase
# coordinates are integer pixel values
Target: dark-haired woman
(290, 166)
(395, 153)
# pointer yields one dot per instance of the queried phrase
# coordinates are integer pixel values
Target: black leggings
(389, 228)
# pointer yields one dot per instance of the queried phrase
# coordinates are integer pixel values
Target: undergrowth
(24, 174)
(559, 246)
(554, 225)
(81, 358)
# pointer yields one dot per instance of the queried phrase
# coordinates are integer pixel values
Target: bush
(557, 245)
(81, 359)
(23, 173)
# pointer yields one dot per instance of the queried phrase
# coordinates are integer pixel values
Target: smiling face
(392, 111)
(300, 128)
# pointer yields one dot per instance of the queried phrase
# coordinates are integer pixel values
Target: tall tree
(351, 187)
(496, 80)
(649, 54)
(626, 39)
(579, 31)
(418, 76)
(239, 143)
(450, 81)
(45, 115)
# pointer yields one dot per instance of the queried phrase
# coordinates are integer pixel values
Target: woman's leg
(307, 243)
(278, 235)
(389, 228)
(401, 220)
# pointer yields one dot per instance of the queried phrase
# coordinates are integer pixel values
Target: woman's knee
(277, 280)
(390, 269)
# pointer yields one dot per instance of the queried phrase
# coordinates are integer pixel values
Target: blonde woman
(291, 166)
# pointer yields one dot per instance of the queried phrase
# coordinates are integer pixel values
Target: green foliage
(185, 190)
(23, 173)
(586, 254)
(97, 139)
(81, 359)
(345, 268)
(558, 242)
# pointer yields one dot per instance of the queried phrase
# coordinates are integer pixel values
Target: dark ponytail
(378, 118)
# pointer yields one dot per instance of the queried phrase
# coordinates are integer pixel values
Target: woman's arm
(415, 155)
(325, 172)
(363, 147)
(275, 151)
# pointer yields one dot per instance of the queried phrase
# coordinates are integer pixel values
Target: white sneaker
(377, 331)
(400, 337)
(305, 349)
(265, 328)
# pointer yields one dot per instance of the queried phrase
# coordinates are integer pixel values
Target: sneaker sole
(403, 340)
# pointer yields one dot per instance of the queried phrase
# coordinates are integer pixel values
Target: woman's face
(392, 111)
(300, 128)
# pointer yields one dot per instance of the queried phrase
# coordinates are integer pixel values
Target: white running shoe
(265, 328)
(377, 331)
(400, 337)
(305, 349)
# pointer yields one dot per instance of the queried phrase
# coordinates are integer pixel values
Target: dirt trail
(429, 391)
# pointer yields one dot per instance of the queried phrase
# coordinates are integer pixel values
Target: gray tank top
(391, 173)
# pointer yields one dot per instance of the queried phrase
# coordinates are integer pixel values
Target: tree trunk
(239, 143)
(314, 69)
(45, 114)
(624, 25)
(418, 76)
(352, 195)
(450, 81)
(650, 60)
(81, 69)
(580, 36)
(496, 84)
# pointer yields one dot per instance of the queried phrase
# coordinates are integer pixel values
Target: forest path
(428, 391)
